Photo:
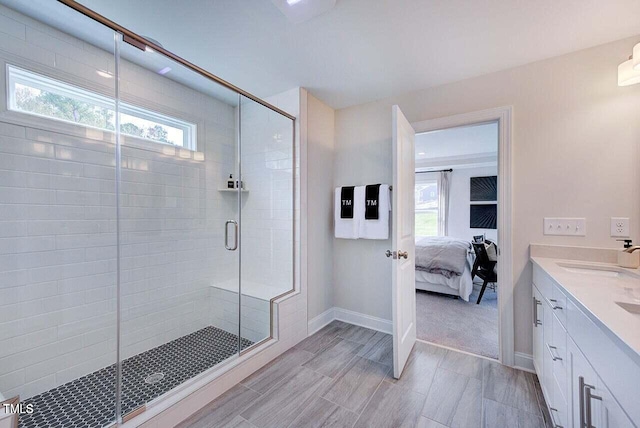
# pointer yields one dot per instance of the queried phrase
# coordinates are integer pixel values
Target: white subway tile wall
(266, 224)
(255, 313)
(58, 238)
(267, 214)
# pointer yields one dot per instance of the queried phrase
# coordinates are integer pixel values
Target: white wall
(459, 203)
(361, 271)
(320, 146)
(575, 153)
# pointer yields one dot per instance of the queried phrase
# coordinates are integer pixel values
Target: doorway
(503, 117)
(456, 234)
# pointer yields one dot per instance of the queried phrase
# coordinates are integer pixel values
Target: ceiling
(363, 50)
(462, 141)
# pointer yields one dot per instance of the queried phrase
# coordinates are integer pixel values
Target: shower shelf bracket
(232, 190)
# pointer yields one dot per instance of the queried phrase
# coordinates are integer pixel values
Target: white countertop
(597, 295)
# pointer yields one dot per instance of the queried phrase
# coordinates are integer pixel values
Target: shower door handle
(226, 235)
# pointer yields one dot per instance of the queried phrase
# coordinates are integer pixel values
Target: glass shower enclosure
(146, 217)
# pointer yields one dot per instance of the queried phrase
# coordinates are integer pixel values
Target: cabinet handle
(554, 304)
(536, 321)
(553, 357)
(581, 401)
(553, 420)
(587, 404)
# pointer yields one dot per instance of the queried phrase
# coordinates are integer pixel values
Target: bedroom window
(427, 199)
(42, 96)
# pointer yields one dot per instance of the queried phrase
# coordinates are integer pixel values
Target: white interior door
(403, 251)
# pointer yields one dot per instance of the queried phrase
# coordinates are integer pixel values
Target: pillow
(492, 251)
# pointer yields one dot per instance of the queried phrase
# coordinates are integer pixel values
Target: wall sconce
(629, 71)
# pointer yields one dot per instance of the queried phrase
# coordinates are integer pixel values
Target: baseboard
(363, 320)
(524, 362)
(316, 323)
(351, 317)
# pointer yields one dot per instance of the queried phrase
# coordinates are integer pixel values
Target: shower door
(268, 171)
(179, 228)
(206, 222)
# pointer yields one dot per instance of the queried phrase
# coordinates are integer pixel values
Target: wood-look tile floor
(342, 377)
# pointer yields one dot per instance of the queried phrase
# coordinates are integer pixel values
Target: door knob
(403, 254)
(388, 253)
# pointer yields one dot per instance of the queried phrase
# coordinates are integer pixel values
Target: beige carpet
(458, 324)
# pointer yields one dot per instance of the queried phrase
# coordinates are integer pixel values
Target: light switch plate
(565, 226)
(620, 227)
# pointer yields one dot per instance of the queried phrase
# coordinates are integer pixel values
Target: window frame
(18, 75)
(424, 177)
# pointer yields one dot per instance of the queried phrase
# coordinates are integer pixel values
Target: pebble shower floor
(89, 400)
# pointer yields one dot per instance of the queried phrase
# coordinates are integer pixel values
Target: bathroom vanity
(586, 342)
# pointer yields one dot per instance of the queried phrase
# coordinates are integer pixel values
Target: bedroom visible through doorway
(457, 240)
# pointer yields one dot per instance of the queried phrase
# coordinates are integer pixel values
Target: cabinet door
(611, 414)
(582, 377)
(538, 337)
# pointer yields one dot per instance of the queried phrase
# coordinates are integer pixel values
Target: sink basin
(605, 271)
(630, 307)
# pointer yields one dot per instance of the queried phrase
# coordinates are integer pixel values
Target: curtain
(444, 183)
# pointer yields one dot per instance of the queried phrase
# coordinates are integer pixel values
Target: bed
(443, 265)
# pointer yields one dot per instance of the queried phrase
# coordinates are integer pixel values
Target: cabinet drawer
(557, 349)
(558, 303)
(543, 281)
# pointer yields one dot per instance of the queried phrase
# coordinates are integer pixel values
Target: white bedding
(460, 285)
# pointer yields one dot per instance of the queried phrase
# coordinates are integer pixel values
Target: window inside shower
(36, 94)
(128, 266)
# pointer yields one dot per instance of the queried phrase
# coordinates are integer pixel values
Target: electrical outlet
(565, 226)
(620, 227)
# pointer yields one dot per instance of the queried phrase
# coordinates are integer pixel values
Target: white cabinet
(577, 367)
